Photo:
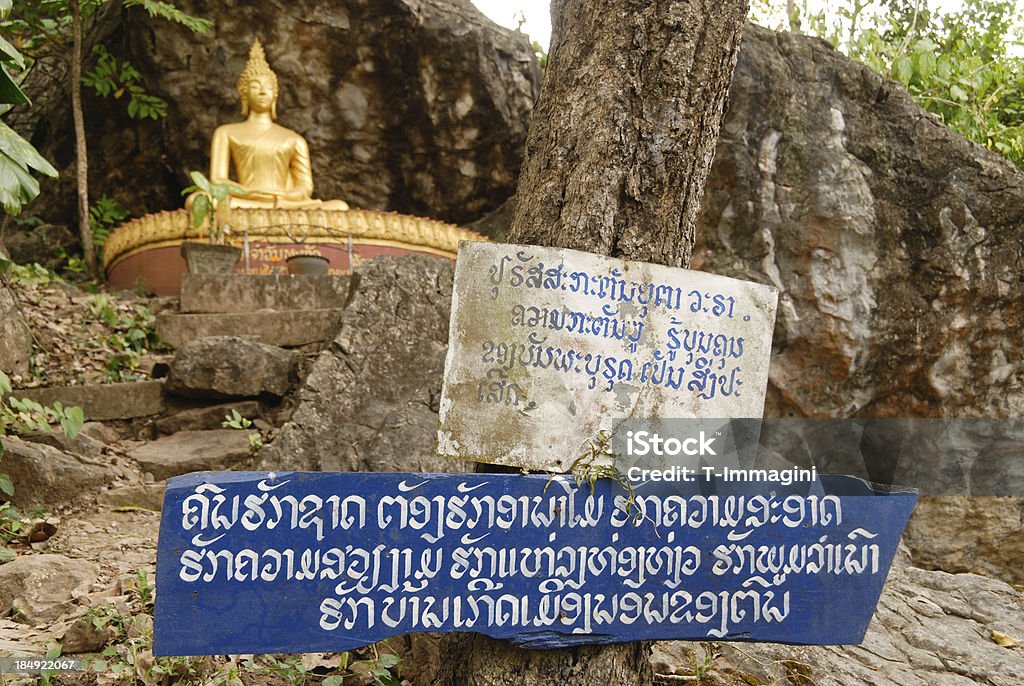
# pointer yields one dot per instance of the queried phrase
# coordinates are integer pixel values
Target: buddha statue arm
(220, 157)
(301, 172)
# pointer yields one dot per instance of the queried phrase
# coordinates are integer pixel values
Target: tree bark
(620, 145)
(81, 152)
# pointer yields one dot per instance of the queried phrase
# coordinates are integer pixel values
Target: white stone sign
(548, 347)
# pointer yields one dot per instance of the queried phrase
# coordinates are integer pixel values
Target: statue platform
(146, 252)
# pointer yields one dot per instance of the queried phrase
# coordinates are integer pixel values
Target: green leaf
(6, 485)
(201, 208)
(903, 69)
(926, 63)
(5, 381)
(72, 421)
(958, 93)
(387, 660)
(201, 182)
(22, 152)
(334, 680)
(6, 554)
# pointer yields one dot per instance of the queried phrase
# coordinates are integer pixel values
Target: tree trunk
(620, 145)
(81, 152)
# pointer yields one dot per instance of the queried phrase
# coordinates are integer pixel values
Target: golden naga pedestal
(273, 214)
(146, 252)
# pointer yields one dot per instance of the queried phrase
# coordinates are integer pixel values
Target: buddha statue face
(257, 84)
(261, 94)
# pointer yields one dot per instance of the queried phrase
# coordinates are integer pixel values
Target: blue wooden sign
(311, 562)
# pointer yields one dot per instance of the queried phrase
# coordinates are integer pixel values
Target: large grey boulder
(370, 401)
(894, 241)
(895, 244)
(45, 475)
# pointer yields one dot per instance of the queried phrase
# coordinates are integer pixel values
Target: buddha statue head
(258, 83)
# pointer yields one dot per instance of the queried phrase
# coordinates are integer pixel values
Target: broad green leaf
(201, 208)
(21, 151)
(9, 91)
(10, 54)
(926, 62)
(5, 381)
(17, 186)
(903, 69)
(6, 485)
(6, 554)
(72, 420)
(388, 660)
(200, 181)
(958, 93)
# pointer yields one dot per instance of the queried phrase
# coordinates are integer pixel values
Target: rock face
(964, 534)
(894, 242)
(930, 629)
(416, 107)
(45, 475)
(15, 337)
(230, 366)
(370, 401)
(38, 587)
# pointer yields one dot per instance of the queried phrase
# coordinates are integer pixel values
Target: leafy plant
(206, 200)
(22, 415)
(235, 420)
(131, 336)
(26, 274)
(118, 78)
(18, 159)
(104, 215)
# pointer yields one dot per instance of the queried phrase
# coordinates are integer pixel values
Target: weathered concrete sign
(549, 346)
(308, 562)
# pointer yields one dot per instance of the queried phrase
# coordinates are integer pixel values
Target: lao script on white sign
(548, 347)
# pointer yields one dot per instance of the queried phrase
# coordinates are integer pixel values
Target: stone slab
(104, 402)
(548, 347)
(207, 294)
(263, 562)
(192, 451)
(286, 329)
(209, 417)
(147, 496)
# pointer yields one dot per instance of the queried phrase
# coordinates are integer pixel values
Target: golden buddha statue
(272, 162)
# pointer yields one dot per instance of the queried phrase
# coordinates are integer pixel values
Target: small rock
(85, 637)
(39, 587)
(79, 445)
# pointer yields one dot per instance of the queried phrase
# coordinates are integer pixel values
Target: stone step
(104, 402)
(288, 329)
(211, 294)
(191, 451)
